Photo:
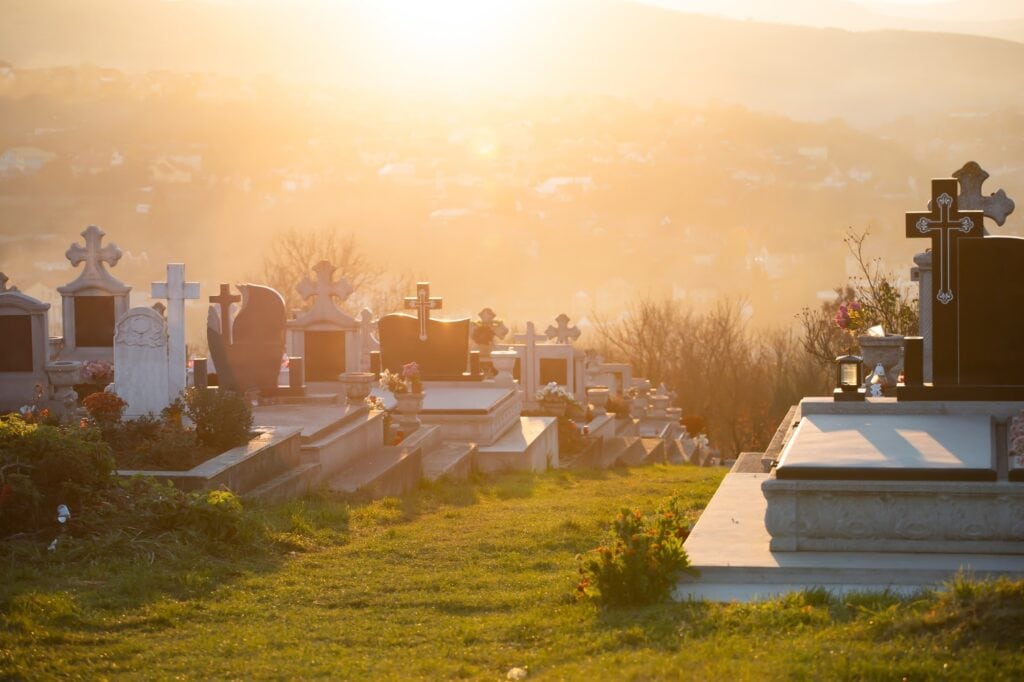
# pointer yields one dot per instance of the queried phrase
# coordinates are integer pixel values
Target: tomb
(899, 492)
(550, 358)
(24, 345)
(329, 340)
(247, 349)
(93, 302)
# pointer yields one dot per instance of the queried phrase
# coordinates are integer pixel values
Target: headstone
(176, 291)
(367, 339)
(252, 359)
(422, 303)
(324, 335)
(443, 355)
(24, 342)
(141, 362)
(975, 295)
(94, 301)
(529, 369)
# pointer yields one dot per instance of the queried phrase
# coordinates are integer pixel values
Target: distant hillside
(595, 47)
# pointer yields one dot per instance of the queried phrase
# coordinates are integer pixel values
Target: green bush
(42, 466)
(642, 561)
(223, 419)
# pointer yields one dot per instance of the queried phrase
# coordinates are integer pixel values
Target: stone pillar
(923, 274)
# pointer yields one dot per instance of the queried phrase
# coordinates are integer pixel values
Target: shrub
(223, 419)
(42, 466)
(641, 563)
(694, 424)
(104, 408)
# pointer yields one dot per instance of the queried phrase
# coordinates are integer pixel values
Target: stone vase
(357, 386)
(659, 404)
(63, 375)
(598, 397)
(554, 408)
(408, 408)
(503, 361)
(887, 350)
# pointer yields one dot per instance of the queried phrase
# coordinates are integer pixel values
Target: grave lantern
(849, 378)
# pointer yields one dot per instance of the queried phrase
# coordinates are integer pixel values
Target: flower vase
(409, 406)
(887, 350)
(554, 408)
(598, 397)
(357, 386)
(504, 362)
(63, 375)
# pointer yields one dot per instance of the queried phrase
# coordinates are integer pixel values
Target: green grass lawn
(461, 580)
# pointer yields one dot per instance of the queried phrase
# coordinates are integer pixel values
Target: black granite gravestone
(554, 369)
(976, 299)
(324, 355)
(253, 357)
(94, 321)
(16, 343)
(443, 355)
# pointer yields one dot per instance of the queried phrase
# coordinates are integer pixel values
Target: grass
(462, 580)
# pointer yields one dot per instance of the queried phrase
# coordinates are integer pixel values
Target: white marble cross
(563, 333)
(324, 288)
(93, 255)
(422, 303)
(175, 291)
(528, 378)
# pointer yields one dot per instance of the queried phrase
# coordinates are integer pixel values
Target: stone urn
(598, 397)
(887, 350)
(357, 386)
(503, 361)
(638, 406)
(408, 408)
(63, 375)
(659, 405)
(554, 408)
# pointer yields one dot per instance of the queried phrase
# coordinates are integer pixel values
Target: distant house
(24, 160)
(562, 185)
(95, 162)
(176, 168)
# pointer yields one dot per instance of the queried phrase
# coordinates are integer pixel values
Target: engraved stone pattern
(141, 361)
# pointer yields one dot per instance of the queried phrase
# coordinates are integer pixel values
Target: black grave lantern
(849, 378)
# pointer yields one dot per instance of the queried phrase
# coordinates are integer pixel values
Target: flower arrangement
(850, 316)
(98, 372)
(104, 408)
(409, 380)
(553, 393)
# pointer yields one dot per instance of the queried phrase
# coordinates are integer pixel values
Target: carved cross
(423, 304)
(995, 206)
(224, 299)
(3, 284)
(324, 288)
(563, 333)
(527, 376)
(93, 254)
(945, 224)
(175, 291)
(488, 317)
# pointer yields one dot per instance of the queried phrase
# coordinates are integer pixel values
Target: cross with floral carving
(324, 288)
(945, 225)
(563, 333)
(93, 254)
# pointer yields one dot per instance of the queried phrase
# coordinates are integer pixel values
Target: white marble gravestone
(176, 291)
(92, 303)
(23, 346)
(327, 337)
(141, 376)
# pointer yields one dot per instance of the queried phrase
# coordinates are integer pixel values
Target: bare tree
(294, 252)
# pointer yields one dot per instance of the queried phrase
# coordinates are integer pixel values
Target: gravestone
(557, 360)
(176, 291)
(976, 289)
(24, 342)
(247, 350)
(141, 369)
(324, 335)
(367, 338)
(439, 347)
(94, 301)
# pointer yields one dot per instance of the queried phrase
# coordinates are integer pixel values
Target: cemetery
(902, 481)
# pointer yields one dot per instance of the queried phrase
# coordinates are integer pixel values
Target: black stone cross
(945, 225)
(422, 303)
(224, 299)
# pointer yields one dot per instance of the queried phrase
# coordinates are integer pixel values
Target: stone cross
(93, 255)
(423, 304)
(3, 284)
(487, 316)
(563, 333)
(995, 206)
(528, 378)
(945, 224)
(369, 344)
(224, 299)
(175, 291)
(324, 288)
